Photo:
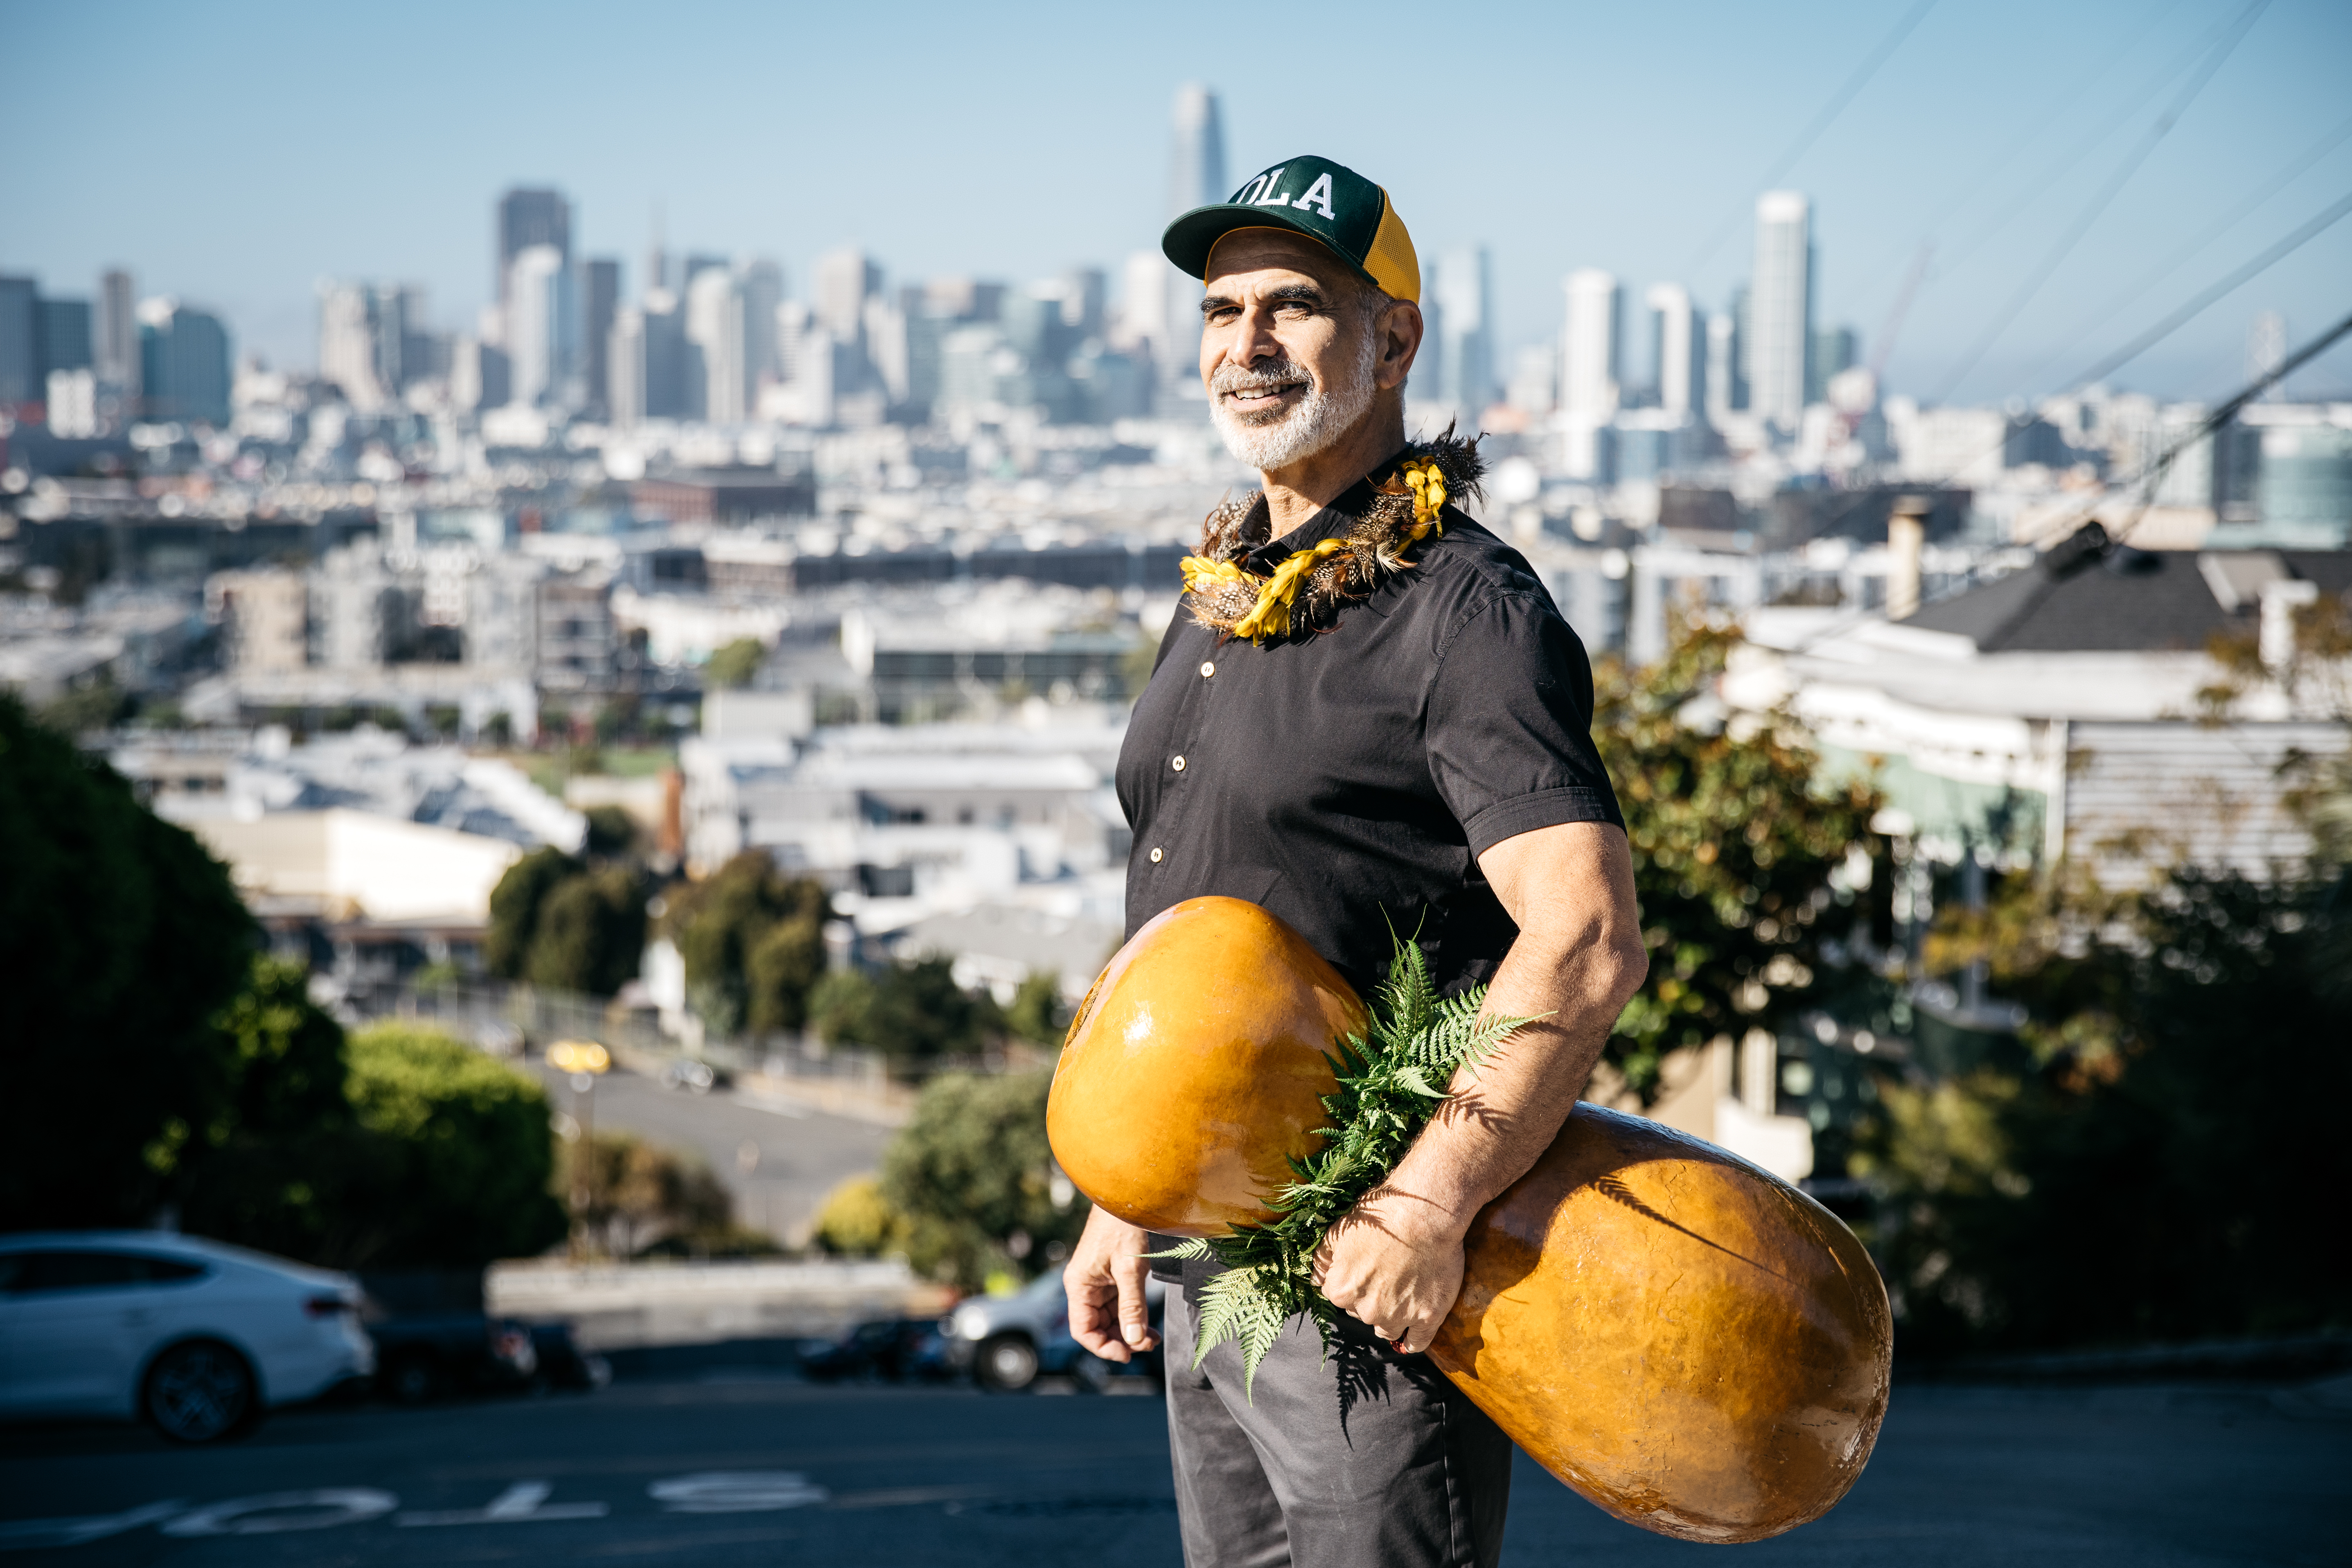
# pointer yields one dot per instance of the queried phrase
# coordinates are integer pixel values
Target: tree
(610, 830)
(629, 1196)
(733, 665)
(591, 932)
(515, 905)
(857, 1221)
(120, 938)
(1735, 835)
(2156, 1157)
(784, 966)
(911, 1009)
(974, 1180)
(721, 922)
(286, 1167)
(1038, 1014)
(471, 1151)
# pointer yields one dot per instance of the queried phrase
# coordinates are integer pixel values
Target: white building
(1780, 307)
(539, 325)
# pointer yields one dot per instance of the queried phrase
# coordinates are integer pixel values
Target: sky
(234, 154)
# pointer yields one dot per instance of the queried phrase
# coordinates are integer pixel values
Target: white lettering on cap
(1318, 196)
(1272, 198)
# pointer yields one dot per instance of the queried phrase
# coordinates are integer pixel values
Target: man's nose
(1257, 340)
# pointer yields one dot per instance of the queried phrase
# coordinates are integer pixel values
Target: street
(778, 1157)
(744, 1464)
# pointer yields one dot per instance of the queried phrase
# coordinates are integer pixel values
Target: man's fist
(1387, 1264)
(1108, 1314)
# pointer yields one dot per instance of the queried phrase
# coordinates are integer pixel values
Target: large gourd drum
(1687, 1341)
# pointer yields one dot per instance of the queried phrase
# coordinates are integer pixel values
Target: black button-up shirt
(1348, 780)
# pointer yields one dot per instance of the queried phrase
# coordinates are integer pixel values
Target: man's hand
(1394, 1263)
(1108, 1314)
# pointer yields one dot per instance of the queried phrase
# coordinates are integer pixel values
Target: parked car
(1008, 1341)
(198, 1338)
(693, 1076)
(893, 1349)
(419, 1359)
(564, 1362)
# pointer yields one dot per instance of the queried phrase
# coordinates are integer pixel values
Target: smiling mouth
(1253, 397)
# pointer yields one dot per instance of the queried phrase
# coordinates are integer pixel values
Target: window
(27, 1273)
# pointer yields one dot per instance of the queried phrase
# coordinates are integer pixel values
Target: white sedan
(196, 1337)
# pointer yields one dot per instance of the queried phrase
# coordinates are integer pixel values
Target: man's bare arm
(1395, 1262)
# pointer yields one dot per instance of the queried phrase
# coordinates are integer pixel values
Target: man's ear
(1398, 331)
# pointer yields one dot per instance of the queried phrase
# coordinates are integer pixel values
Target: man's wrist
(1419, 1218)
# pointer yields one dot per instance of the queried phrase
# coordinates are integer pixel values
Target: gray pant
(1393, 1468)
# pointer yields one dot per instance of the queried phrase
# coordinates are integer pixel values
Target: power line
(1821, 121)
(2205, 237)
(2115, 182)
(2166, 327)
(2153, 474)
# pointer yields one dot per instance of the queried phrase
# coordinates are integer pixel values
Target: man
(1367, 714)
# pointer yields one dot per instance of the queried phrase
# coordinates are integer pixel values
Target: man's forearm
(1505, 1111)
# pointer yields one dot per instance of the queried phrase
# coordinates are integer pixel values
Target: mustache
(1270, 376)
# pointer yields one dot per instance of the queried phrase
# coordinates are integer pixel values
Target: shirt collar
(1333, 522)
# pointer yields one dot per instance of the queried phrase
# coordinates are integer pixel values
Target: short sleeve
(1510, 725)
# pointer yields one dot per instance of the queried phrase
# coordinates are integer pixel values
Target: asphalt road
(778, 1158)
(740, 1466)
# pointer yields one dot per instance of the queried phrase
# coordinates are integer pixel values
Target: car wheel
(413, 1380)
(1007, 1362)
(200, 1393)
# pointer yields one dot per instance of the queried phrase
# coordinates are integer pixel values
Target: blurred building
(1463, 295)
(528, 217)
(184, 364)
(1779, 333)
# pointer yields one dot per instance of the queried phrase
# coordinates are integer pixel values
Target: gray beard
(1321, 418)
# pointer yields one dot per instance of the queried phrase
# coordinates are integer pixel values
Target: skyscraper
(669, 390)
(1196, 177)
(117, 335)
(1465, 298)
(540, 318)
(20, 342)
(600, 297)
(1781, 309)
(1196, 167)
(1678, 349)
(529, 218)
(347, 344)
(65, 335)
(185, 363)
(844, 278)
(625, 364)
(1592, 356)
(1725, 391)
(714, 325)
(762, 283)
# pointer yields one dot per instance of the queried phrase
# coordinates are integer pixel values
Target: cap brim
(1192, 236)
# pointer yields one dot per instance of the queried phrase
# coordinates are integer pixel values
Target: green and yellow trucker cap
(1327, 202)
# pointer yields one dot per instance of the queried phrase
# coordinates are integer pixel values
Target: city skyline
(915, 206)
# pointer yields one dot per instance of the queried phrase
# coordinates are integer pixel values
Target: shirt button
(1178, 764)
(1157, 856)
(1208, 668)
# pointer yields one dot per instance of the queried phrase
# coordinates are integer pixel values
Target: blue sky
(235, 153)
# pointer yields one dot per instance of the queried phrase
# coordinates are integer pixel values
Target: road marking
(24, 1534)
(736, 1491)
(525, 1502)
(273, 1514)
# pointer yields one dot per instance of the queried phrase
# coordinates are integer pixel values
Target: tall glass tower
(1780, 307)
(1196, 168)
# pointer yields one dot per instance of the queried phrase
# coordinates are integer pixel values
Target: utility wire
(2115, 182)
(2212, 231)
(1820, 123)
(2164, 328)
(2150, 476)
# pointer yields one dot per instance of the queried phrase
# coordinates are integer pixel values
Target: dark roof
(2129, 601)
